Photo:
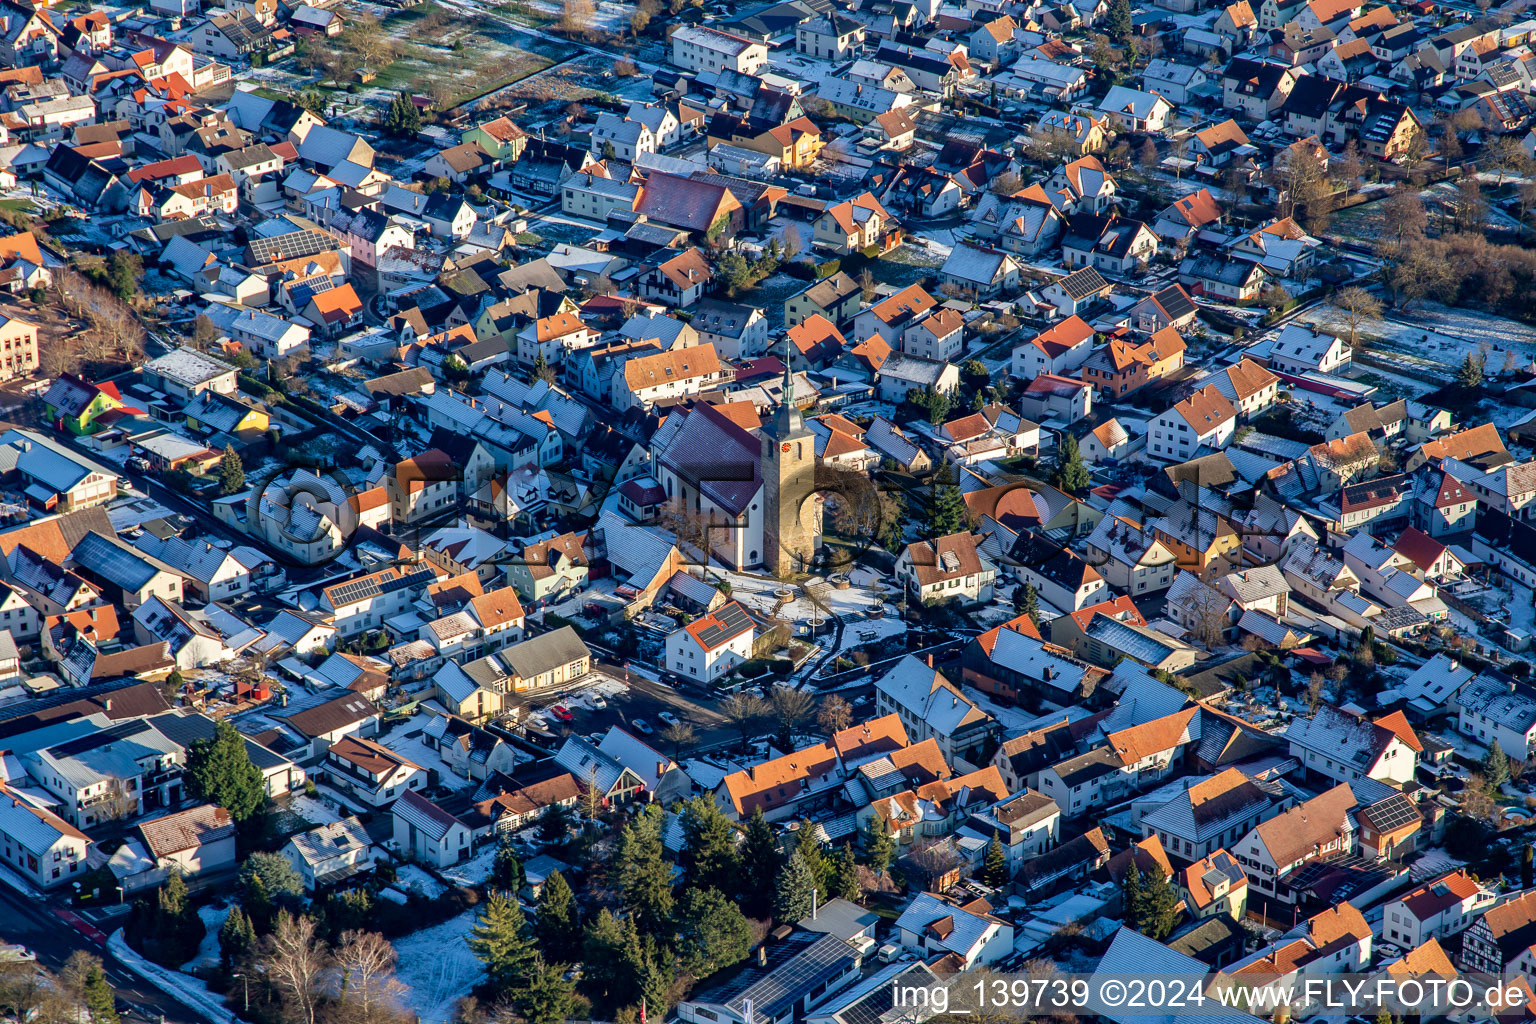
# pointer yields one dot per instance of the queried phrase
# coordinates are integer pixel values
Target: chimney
(661, 769)
(762, 956)
(107, 703)
(929, 659)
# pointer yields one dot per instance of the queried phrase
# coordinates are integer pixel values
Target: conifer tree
(231, 471)
(760, 863)
(501, 941)
(1496, 766)
(644, 873)
(1070, 474)
(220, 772)
(879, 847)
(1159, 907)
(843, 882)
(98, 997)
(809, 848)
(795, 894)
(994, 866)
(1133, 896)
(557, 926)
(709, 856)
(236, 937)
(945, 512)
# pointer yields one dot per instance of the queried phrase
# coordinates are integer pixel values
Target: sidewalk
(190, 991)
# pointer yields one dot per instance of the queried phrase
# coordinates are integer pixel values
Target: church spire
(787, 421)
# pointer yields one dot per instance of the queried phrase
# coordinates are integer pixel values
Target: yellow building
(211, 412)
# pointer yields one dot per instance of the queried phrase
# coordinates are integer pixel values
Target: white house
(1344, 747)
(931, 926)
(697, 48)
(427, 834)
(1298, 349)
(1135, 110)
(373, 774)
(1492, 711)
(1060, 348)
(713, 644)
(1435, 910)
(1205, 418)
(330, 852)
(44, 848)
(946, 568)
(648, 379)
(929, 706)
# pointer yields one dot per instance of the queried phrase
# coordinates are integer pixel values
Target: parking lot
(625, 702)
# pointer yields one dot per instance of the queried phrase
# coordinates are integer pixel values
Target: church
(753, 495)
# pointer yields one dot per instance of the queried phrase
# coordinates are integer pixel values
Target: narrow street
(40, 928)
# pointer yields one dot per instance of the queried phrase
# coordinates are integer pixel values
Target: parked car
(641, 726)
(668, 717)
(597, 701)
(562, 712)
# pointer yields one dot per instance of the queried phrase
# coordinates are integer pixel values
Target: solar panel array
(290, 246)
(803, 974)
(1393, 813)
(370, 586)
(730, 621)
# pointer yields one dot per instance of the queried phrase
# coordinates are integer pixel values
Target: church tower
(789, 479)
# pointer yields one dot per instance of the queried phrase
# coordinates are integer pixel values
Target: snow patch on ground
(438, 968)
(408, 744)
(312, 809)
(1433, 863)
(412, 877)
(474, 871)
(208, 950)
(190, 991)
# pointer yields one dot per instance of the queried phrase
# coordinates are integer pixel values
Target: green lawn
(18, 205)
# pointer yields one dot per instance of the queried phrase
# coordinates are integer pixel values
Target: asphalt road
(37, 926)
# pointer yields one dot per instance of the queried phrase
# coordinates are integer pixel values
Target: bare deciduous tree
(745, 711)
(1352, 307)
(792, 242)
(295, 962)
(576, 17)
(791, 708)
(836, 714)
(364, 978)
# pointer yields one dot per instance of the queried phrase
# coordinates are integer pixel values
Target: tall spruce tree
(501, 941)
(644, 873)
(236, 938)
(1133, 896)
(1070, 474)
(794, 897)
(1496, 766)
(945, 512)
(548, 998)
(994, 866)
(879, 847)
(843, 882)
(1160, 907)
(713, 933)
(220, 772)
(809, 848)
(1026, 600)
(709, 856)
(556, 924)
(231, 471)
(98, 997)
(760, 863)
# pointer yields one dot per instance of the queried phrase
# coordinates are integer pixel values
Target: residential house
(330, 853)
(427, 834)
